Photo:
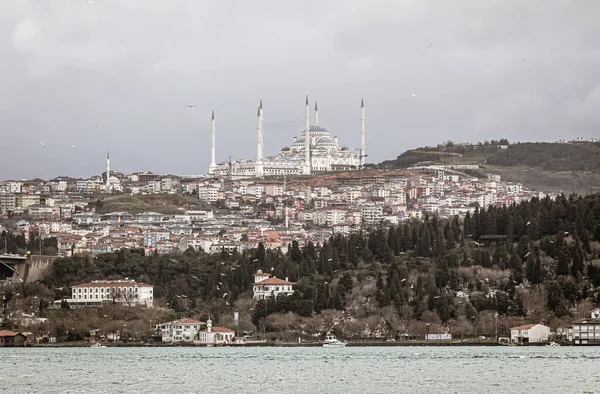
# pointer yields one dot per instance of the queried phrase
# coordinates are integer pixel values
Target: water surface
(302, 370)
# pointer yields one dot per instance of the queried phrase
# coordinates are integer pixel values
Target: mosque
(318, 153)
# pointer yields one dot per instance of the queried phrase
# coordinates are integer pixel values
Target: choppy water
(563, 370)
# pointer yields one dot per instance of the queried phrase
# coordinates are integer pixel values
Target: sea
(285, 370)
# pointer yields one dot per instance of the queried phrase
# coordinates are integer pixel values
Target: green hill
(568, 167)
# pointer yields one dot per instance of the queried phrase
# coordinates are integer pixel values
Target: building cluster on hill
(238, 214)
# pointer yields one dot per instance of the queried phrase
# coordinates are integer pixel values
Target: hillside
(501, 267)
(566, 167)
(168, 204)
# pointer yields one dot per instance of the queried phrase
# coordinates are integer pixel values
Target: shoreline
(287, 344)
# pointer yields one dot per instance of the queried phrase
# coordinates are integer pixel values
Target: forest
(536, 261)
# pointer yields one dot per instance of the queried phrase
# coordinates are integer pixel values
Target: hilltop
(549, 166)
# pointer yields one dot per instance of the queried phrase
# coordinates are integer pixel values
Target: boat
(98, 344)
(553, 344)
(331, 341)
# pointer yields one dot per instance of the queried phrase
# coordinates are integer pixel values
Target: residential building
(151, 237)
(12, 339)
(216, 335)
(529, 333)
(182, 330)
(586, 331)
(8, 202)
(265, 286)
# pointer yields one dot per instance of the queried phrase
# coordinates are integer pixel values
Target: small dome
(285, 149)
(345, 148)
(259, 272)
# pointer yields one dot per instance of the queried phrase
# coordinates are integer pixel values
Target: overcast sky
(521, 69)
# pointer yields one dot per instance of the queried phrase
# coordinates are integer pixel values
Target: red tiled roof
(263, 274)
(218, 329)
(7, 333)
(273, 281)
(185, 321)
(525, 327)
(114, 284)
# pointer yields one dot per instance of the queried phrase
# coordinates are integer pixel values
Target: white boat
(98, 344)
(553, 344)
(331, 341)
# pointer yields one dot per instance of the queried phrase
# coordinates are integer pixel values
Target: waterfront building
(182, 330)
(216, 335)
(529, 333)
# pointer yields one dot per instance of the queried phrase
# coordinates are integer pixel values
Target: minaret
(262, 131)
(307, 166)
(107, 170)
(259, 162)
(213, 145)
(316, 113)
(362, 134)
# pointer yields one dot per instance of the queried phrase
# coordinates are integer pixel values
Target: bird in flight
(72, 146)
(191, 106)
(91, 2)
(414, 95)
(430, 44)
(95, 125)
(43, 145)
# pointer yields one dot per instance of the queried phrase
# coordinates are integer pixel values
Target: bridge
(25, 269)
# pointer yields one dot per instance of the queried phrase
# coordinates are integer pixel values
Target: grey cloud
(132, 66)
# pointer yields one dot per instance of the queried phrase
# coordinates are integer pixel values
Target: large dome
(317, 127)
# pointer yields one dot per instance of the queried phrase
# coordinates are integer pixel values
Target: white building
(586, 331)
(96, 293)
(216, 335)
(314, 150)
(182, 330)
(265, 286)
(371, 215)
(529, 333)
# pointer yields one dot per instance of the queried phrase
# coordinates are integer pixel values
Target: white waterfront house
(98, 292)
(182, 330)
(216, 335)
(586, 331)
(265, 285)
(529, 333)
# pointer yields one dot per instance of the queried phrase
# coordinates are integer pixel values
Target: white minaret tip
(316, 113)
(213, 145)
(306, 103)
(362, 102)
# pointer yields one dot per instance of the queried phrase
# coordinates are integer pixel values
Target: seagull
(528, 223)
(175, 261)
(254, 260)
(224, 295)
(436, 297)
(226, 303)
(233, 268)
(194, 276)
(476, 243)
(72, 146)
(329, 259)
(528, 253)
(218, 288)
(91, 2)
(222, 263)
(95, 125)
(222, 274)
(43, 145)
(566, 233)
(430, 44)
(403, 280)
(414, 95)
(220, 284)
(191, 106)
(272, 268)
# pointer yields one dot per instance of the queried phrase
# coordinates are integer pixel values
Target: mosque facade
(315, 150)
